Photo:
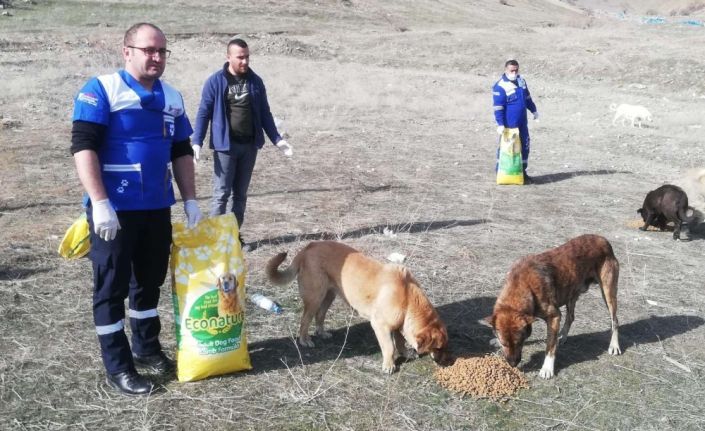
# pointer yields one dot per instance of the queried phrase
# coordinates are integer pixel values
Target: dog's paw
(306, 341)
(389, 368)
(614, 350)
(546, 373)
(547, 368)
(324, 334)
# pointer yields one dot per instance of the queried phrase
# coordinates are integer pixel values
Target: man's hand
(500, 130)
(196, 152)
(285, 147)
(193, 213)
(536, 115)
(105, 221)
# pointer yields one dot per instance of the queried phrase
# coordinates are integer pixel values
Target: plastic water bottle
(266, 303)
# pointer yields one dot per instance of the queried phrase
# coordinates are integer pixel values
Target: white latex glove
(285, 147)
(500, 130)
(196, 152)
(536, 115)
(193, 213)
(105, 221)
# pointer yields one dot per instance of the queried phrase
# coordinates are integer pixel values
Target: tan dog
(229, 301)
(537, 285)
(386, 294)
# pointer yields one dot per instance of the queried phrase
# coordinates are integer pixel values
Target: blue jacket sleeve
(499, 102)
(267, 119)
(205, 112)
(530, 105)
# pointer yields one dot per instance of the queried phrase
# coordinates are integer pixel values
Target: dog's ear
(423, 341)
(431, 337)
(427, 339)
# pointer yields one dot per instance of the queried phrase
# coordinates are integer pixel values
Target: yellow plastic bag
(208, 292)
(510, 169)
(76, 242)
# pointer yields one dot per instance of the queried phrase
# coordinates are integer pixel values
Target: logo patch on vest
(88, 98)
(168, 126)
(174, 110)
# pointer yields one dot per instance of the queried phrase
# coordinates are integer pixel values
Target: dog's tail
(281, 278)
(613, 107)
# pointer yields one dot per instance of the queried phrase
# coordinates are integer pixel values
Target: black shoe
(156, 363)
(130, 383)
(244, 246)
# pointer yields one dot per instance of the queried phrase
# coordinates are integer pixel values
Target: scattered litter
(650, 302)
(389, 233)
(265, 303)
(396, 257)
(654, 20)
(693, 22)
(677, 364)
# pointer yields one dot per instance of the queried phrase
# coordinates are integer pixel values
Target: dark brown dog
(537, 285)
(666, 203)
(385, 294)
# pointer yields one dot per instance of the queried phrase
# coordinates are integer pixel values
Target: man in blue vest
(234, 103)
(511, 99)
(130, 132)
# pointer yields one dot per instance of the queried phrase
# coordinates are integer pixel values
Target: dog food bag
(208, 287)
(509, 166)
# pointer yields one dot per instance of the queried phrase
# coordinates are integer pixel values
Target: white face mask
(511, 76)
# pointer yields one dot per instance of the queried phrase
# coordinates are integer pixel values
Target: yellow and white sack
(210, 320)
(510, 169)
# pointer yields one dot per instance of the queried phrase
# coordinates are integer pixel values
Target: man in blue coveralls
(130, 131)
(511, 99)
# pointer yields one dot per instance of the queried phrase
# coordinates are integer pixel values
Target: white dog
(634, 113)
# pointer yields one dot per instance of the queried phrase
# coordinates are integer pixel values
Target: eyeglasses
(151, 52)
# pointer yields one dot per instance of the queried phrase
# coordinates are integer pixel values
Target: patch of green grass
(60, 14)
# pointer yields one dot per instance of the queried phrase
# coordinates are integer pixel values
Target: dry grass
(390, 129)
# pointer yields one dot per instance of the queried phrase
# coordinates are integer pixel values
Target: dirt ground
(388, 107)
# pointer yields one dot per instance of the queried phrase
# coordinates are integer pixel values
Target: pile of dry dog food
(484, 377)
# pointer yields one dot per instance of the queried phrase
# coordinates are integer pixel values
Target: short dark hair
(511, 63)
(130, 33)
(237, 41)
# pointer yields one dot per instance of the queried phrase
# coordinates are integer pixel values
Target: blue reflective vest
(511, 101)
(135, 155)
